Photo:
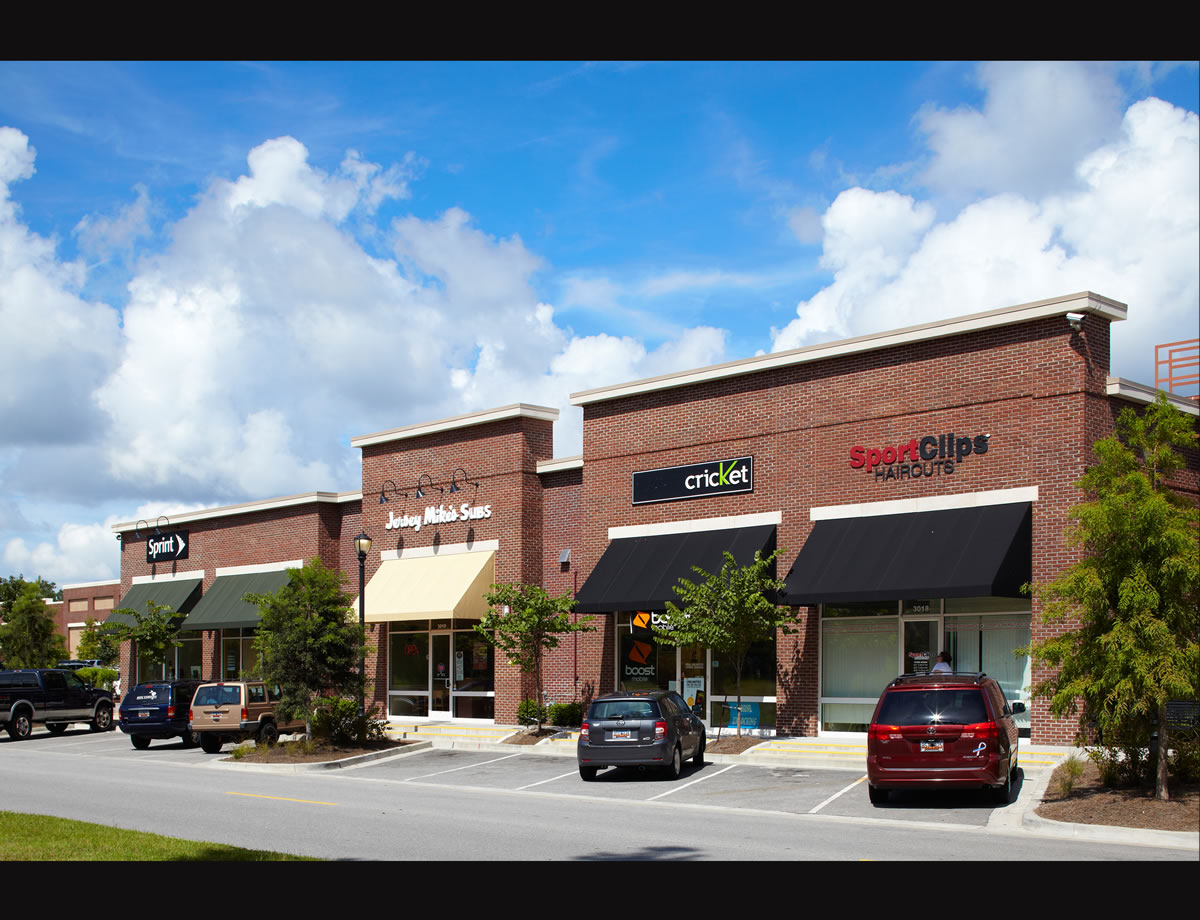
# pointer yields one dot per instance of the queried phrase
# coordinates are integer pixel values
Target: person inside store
(943, 664)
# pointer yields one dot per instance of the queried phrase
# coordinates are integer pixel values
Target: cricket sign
(696, 480)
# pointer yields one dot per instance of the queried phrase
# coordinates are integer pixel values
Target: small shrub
(1184, 763)
(529, 712)
(336, 720)
(1068, 775)
(564, 714)
(98, 677)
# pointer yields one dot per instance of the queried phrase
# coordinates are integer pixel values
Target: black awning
(961, 552)
(638, 573)
(179, 594)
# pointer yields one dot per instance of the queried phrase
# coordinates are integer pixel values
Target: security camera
(1075, 321)
(118, 538)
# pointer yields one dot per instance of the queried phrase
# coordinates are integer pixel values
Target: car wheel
(102, 721)
(268, 733)
(587, 774)
(20, 726)
(191, 739)
(878, 796)
(698, 758)
(676, 765)
(1001, 794)
(141, 742)
(56, 728)
(210, 742)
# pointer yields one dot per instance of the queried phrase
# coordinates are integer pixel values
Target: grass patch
(40, 838)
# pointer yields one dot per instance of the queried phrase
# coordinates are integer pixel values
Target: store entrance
(440, 669)
(440, 678)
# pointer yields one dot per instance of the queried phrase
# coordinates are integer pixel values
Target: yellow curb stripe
(279, 798)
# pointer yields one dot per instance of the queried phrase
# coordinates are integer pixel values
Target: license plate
(621, 736)
(216, 717)
(143, 715)
(931, 745)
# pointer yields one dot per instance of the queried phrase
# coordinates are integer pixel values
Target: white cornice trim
(516, 410)
(1144, 393)
(446, 549)
(167, 576)
(1083, 302)
(262, 567)
(269, 504)
(77, 625)
(927, 503)
(91, 584)
(698, 525)
(559, 464)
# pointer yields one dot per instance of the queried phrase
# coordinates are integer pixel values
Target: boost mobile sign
(696, 480)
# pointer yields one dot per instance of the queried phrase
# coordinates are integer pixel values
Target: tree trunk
(1160, 777)
(739, 698)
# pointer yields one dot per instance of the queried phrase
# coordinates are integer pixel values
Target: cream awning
(429, 587)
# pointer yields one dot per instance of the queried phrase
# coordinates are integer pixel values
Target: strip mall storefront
(912, 481)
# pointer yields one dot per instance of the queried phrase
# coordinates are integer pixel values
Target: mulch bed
(321, 752)
(1091, 802)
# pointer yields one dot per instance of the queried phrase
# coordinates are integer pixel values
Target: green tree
(29, 637)
(155, 634)
(12, 587)
(1134, 594)
(100, 643)
(727, 611)
(524, 622)
(307, 642)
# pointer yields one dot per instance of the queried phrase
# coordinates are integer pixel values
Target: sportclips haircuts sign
(932, 455)
(697, 480)
(167, 547)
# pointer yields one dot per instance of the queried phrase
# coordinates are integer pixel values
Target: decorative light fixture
(420, 491)
(466, 482)
(137, 533)
(383, 491)
(362, 546)
(161, 517)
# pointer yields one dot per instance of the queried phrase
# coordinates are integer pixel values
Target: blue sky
(219, 273)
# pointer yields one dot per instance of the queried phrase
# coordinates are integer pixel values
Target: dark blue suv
(158, 709)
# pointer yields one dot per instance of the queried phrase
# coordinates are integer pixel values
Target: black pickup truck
(54, 697)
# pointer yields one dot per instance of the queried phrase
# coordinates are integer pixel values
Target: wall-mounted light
(565, 556)
(421, 492)
(137, 531)
(119, 538)
(383, 491)
(466, 482)
(161, 517)
(1075, 321)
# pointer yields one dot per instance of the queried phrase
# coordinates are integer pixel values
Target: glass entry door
(440, 676)
(693, 673)
(920, 645)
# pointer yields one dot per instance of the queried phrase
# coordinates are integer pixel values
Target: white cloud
(1038, 120)
(104, 235)
(59, 346)
(1129, 228)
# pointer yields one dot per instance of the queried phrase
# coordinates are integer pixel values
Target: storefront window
(642, 663)
(463, 682)
(184, 661)
(238, 655)
(988, 643)
(858, 659)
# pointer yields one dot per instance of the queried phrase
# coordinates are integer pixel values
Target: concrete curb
(347, 763)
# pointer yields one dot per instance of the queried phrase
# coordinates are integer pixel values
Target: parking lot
(741, 787)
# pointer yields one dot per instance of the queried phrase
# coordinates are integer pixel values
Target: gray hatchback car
(653, 728)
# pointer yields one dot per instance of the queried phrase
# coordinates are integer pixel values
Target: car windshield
(623, 709)
(218, 696)
(933, 707)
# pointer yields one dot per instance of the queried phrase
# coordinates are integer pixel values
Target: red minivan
(934, 731)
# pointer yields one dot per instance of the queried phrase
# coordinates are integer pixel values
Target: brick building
(913, 481)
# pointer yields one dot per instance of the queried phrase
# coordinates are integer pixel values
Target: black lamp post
(362, 545)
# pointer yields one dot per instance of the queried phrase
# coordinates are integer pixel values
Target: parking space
(735, 786)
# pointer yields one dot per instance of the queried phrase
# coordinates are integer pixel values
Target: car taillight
(583, 730)
(884, 732)
(983, 730)
(660, 730)
(245, 715)
(190, 716)
(170, 712)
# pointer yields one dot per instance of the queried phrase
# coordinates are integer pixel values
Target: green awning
(179, 594)
(222, 606)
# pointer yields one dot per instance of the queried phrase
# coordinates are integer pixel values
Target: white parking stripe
(550, 780)
(698, 779)
(838, 794)
(467, 767)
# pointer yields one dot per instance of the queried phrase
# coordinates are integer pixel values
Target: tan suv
(237, 709)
